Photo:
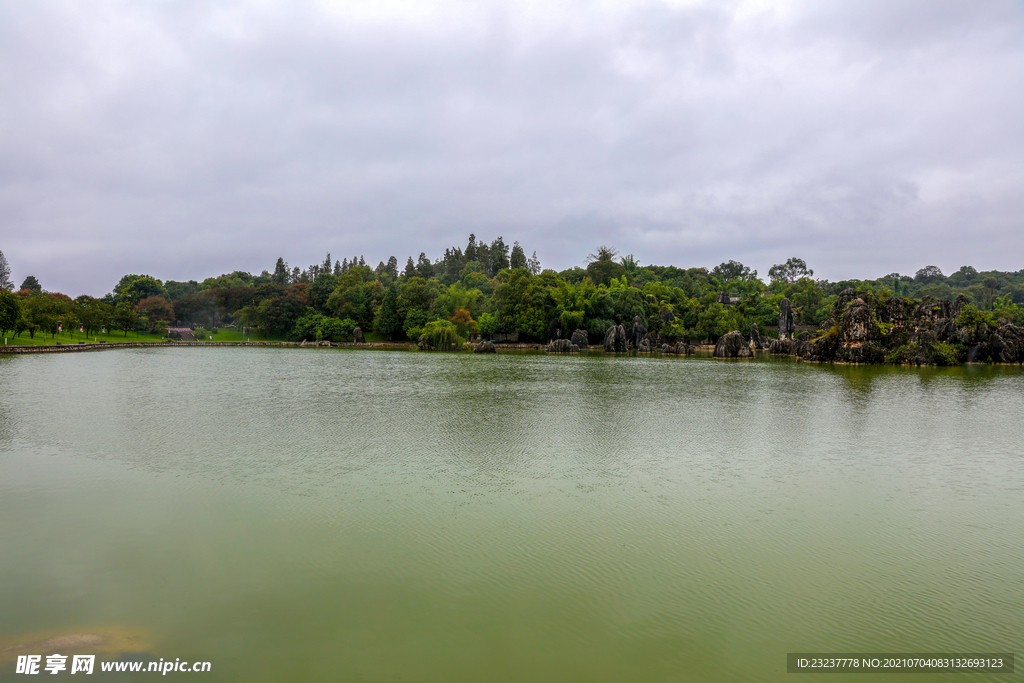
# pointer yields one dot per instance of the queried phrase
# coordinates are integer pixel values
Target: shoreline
(94, 346)
(101, 346)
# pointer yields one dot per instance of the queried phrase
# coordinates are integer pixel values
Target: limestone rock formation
(484, 347)
(867, 329)
(615, 339)
(357, 336)
(729, 345)
(786, 321)
(555, 330)
(679, 348)
(755, 337)
(857, 324)
(579, 338)
(637, 332)
(562, 346)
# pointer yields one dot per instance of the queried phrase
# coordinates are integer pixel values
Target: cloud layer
(192, 138)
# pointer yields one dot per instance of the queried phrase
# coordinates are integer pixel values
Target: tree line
(483, 288)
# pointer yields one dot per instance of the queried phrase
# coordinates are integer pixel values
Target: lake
(360, 515)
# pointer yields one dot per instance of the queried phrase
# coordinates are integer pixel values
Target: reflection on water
(370, 515)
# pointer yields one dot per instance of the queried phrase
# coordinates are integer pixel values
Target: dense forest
(490, 289)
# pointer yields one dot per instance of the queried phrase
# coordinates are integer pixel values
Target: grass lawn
(118, 337)
(73, 338)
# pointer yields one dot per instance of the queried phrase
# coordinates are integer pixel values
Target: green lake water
(354, 515)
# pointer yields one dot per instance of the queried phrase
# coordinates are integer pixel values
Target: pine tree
(388, 321)
(534, 264)
(499, 256)
(518, 258)
(424, 268)
(280, 276)
(393, 267)
(410, 268)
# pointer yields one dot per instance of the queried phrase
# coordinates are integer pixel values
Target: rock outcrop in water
(867, 329)
(730, 345)
(562, 346)
(484, 347)
(679, 348)
(637, 332)
(755, 337)
(615, 339)
(554, 330)
(579, 338)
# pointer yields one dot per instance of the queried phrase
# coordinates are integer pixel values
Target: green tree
(414, 321)
(499, 256)
(602, 272)
(518, 258)
(602, 253)
(157, 312)
(463, 321)
(441, 335)
(424, 268)
(10, 311)
(321, 289)
(125, 318)
(730, 271)
(355, 302)
(39, 311)
(31, 283)
(415, 293)
(5, 274)
(135, 288)
(522, 304)
(278, 315)
(457, 296)
(533, 265)
(488, 324)
(387, 321)
(179, 290)
(713, 322)
(790, 271)
(280, 276)
(95, 314)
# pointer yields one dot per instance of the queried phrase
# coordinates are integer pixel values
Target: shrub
(971, 317)
(901, 354)
(945, 354)
(441, 335)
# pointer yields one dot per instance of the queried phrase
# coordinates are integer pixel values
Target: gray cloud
(189, 139)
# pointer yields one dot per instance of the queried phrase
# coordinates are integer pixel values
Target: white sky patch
(190, 139)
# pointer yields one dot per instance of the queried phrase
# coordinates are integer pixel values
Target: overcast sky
(187, 139)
